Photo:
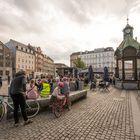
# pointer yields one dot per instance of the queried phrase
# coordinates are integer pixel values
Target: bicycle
(32, 107)
(58, 107)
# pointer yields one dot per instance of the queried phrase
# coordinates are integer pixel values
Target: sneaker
(28, 122)
(16, 124)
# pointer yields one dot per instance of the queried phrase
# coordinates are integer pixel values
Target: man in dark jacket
(0, 82)
(17, 93)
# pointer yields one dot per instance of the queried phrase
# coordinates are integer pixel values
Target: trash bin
(72, 86)
(81, 85)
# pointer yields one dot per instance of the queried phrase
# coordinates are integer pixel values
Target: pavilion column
(123, 73)
(135, 68)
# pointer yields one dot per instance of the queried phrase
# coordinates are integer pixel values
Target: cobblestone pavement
(101, 116)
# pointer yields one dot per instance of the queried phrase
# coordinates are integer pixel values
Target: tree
(78, 63)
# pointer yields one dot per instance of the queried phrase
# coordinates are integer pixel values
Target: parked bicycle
(58, 107)
(32, 107)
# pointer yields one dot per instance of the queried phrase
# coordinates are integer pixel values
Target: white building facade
(99, 58)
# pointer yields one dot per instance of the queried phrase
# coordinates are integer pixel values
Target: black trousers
(19, 101)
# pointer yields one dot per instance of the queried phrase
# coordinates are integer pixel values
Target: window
(1, 62)
(7, 72)
(1, 72)
(138, 69)
(129, 71)
(1, 47)
(120, 68)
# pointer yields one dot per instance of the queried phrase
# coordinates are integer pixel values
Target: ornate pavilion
(128, 61)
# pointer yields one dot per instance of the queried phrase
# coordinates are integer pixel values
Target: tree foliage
(78, 63)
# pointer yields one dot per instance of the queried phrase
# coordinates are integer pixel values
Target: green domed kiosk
(127, 56)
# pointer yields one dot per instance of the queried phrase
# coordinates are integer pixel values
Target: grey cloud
(60, 51)
(78, 11)
(82, 11)
(19, 23)
(116, 39)
(29, 6)
(72, 10)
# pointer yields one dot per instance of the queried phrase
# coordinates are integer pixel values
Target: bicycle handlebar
(4, 95)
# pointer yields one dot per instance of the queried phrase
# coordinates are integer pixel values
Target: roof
(15, 43)
(128, 26)
(129, 41)
(3, 45)
(75, 53)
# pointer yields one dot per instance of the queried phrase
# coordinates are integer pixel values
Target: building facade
(73, 57)
(22, 57)
(99, 58)
(50, 66)
(45, 64)
(59, 69)
(39, 58)
(5, 61)
(31, 59)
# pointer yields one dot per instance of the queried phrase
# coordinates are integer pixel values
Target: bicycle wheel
(32, 108)
(57, 111)
(2, 111)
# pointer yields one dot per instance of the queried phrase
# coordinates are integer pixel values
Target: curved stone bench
(74, 96)
(44, 102)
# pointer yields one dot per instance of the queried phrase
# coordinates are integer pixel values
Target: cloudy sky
(61, 27)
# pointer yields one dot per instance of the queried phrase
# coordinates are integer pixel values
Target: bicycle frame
(4, 101)
(58, 106)
(11, 107)
(30, 108)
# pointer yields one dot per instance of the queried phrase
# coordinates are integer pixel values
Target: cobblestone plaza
(101, 116)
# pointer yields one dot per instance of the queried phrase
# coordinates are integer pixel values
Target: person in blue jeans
(65, 90)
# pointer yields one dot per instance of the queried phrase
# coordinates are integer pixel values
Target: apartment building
(45, 64)
(23, 57)
(98, 58)
(51, 66)
(73, 57)
(38, 60)
(5, 61)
